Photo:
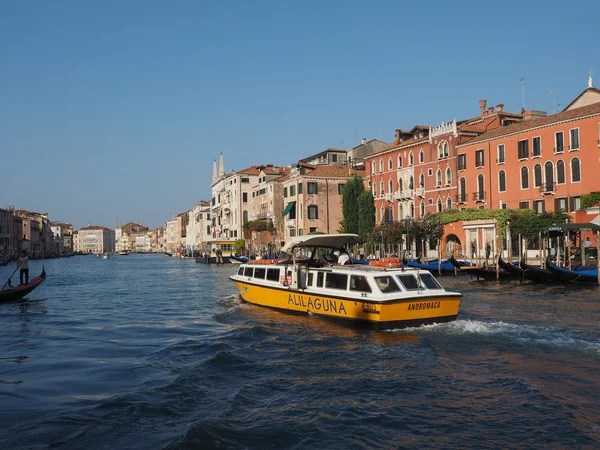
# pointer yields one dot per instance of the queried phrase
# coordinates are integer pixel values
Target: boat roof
(320, 240)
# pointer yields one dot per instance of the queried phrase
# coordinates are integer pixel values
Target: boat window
(320, 279)
(248, 271)
(429, 281)
(310, 278)
(259, 272)
(359, 283)
(336, 281)
(409, 282)
(273, 275)
(387, 284)
(241, 271)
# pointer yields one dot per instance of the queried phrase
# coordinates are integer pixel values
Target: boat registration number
(369, 308)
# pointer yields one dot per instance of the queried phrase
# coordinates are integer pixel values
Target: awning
(574, 227)
(288, 208)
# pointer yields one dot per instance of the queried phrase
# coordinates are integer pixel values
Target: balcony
(291, 223)
(461, 199)
(479, 197)
(548, 188)
(398, 195)
(420, 192)
(388, 196)
(407, 193)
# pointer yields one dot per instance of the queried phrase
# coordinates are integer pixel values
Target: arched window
(399, 161)
(400, 211)
(439, 205)
(391, 186)
(373, 164)
(480, 188)
(382, 214)
(374, 189)
(448, 176)
(380, 165)
(390, 164)
(422, 180)
(411, 183)
(207, 229)
(422, 208)
(412, 209)
(245, 216)
(575, 171)
(421, 156)
(501, 181)
(411, 158)
(391, 213)
(448, 203)
(524, 178)
(560, 172)
(537, 175)
(400, 187)
(446, 150)
(438, 178)
(549, 174)
(381, 189)
(463, 190)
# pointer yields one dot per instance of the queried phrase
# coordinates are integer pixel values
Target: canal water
(149, 352)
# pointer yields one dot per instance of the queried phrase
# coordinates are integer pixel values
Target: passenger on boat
(343, 258)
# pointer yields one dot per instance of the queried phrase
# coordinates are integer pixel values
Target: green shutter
(284, 192)
(299, 188)
(316, 188)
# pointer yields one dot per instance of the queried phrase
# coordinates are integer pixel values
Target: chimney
(398, 134)
(500, 107)
(490, 110)
(364, 141)
(533, 114)
(482, 104)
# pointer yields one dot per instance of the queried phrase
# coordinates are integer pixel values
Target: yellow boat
(307, 279)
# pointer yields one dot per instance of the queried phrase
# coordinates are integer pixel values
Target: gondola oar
(7, 281)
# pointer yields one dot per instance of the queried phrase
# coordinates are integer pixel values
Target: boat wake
(230, 302)
(526, 335)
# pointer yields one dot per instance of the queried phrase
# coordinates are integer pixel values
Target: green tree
(239, 244)
(432, 227)
(366, 214)
(353, 189)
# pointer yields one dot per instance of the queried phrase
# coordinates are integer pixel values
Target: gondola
(18, 292)
(482, 272)
(510, 268)
(583, 276)
(534, 273)
(445, 267)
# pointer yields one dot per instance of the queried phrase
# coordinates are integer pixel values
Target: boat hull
(17, 293)
(571, 276)
(399, 313)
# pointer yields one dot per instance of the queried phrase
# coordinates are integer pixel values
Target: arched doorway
(452, 245)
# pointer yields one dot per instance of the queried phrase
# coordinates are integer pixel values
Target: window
(523, 149)
(480, 188)
(292, 191)
(575, 171)
(374, 189)
(381, 189)
(373, 167)
(313, 212)
(412, 209)
(560, 204)
(429, 172)
(538, 206)
(502, 205)
(284, 192)
(439, 205)
(359, 283)
(524, 178)
(312, 230)
(245, 217)
(391, 183)
(382, 214)
(422, 208)
(380, 165)
(245, 180)
(386, 284)
(501, 156)
(409, 282)
(399, 162)
(299, 188)
(248, 271)
(320, 278)
(390, 213)
(536, 143)
(462, 195)
(421, 179)
(524, 204)
(462, 162)
(448, 203)
(390, 164)
(259, 272)
(421, 156)
(559, 142)
(448, 176)
(574, 136)
(245, 197)
(411, 159)
(502, 181)
(312, 188)
(537, 175)
(575, 203)
(336, 281)
(292, 232)
(411, 182)
(438, 178)
(341, 188)
(549, 173)
(400, 187)
(334, 157)
(400, 211)
(479, 158)
(560, 172)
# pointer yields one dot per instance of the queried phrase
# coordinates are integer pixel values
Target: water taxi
(307, 279)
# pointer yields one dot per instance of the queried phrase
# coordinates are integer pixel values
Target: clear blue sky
(114, 110)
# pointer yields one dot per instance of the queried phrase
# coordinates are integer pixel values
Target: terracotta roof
(573, 114)
(329, 150)
(398, 146)
(95, 227)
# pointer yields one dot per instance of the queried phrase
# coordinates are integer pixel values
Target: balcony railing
(388, 196)
(479, 196)
(420, 192)
(461, 199)
(407, 193)
(398, 195)
(548, 188)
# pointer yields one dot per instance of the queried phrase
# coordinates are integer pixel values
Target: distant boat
(123, 252)
(18, 292)
(106, 256)
(534, 273)
(3, 262)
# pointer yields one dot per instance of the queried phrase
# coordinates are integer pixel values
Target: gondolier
(23, 263)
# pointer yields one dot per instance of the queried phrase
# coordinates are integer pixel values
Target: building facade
(96, 239)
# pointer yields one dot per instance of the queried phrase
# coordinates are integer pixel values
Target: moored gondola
(538, 274)
(485, 273)
(18, 292)
(580, 276)
(510, 268)
(444, 267)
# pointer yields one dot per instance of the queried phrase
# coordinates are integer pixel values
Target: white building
(95, 239)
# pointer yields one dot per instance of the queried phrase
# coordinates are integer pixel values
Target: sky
(114, 111)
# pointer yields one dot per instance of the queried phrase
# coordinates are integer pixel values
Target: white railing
(420, 192)
(407, 193)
